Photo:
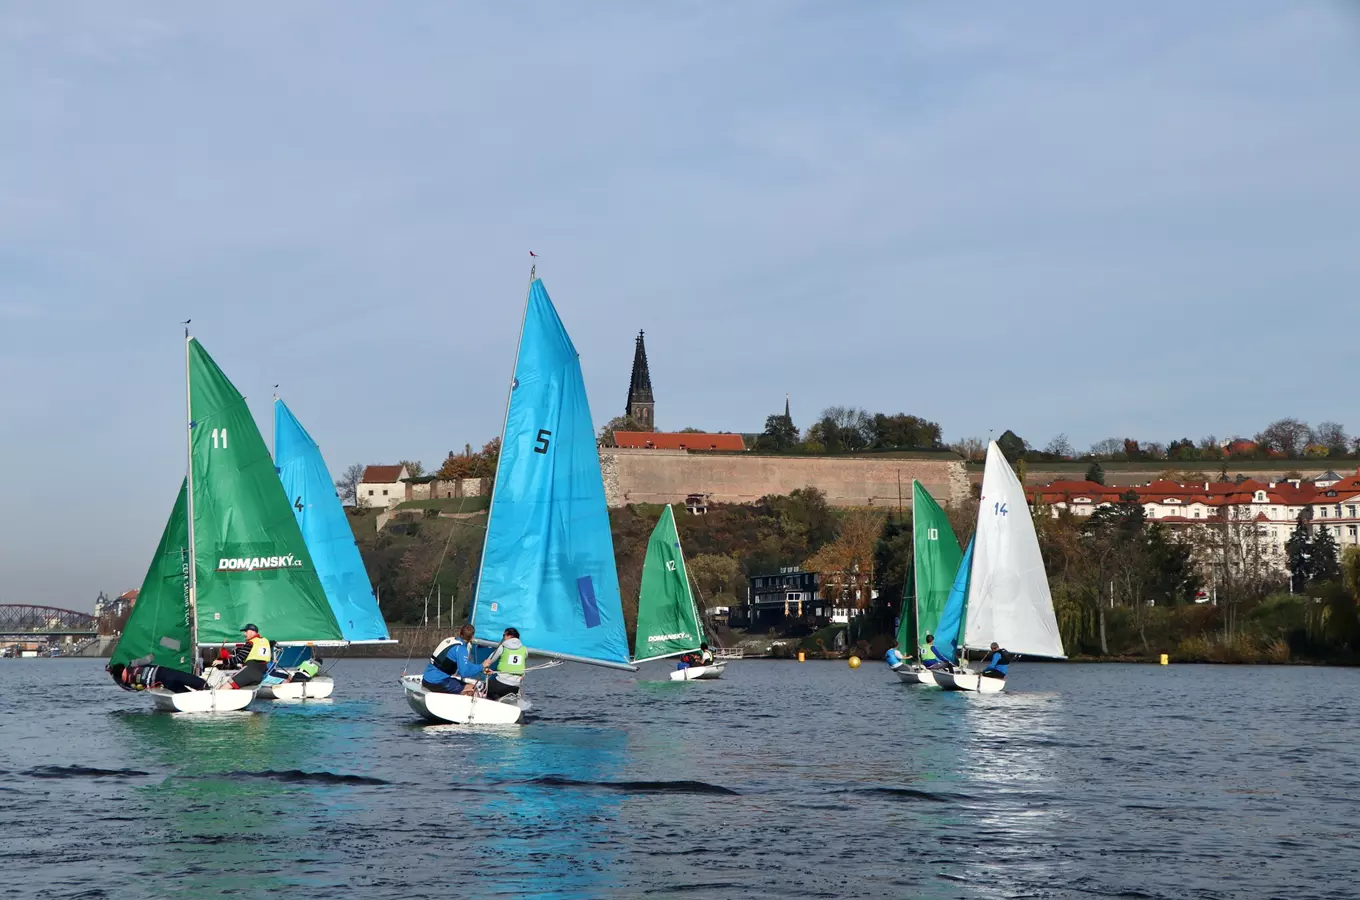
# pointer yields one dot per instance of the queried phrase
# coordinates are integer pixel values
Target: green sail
(906, 621)
(667, 622)
(159, 623)
(937, 556)
(252, 564)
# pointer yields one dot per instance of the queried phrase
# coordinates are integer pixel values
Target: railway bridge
(26, 622)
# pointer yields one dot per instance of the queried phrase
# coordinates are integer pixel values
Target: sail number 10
(219, 434)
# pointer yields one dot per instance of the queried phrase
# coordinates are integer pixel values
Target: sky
(1136, 220)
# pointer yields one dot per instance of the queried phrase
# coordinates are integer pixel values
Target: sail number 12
(222, 434)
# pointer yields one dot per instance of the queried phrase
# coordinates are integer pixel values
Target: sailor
(253, 657)
(306, 670)
(997, 662)
(705, 655)
(930, 657)
(509, 660)
(893, 657)
(451, 669)
(143, 674)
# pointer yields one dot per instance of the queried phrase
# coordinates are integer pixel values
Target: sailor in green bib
(508, 661)
(307, 670)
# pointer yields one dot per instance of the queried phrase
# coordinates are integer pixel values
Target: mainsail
(308, 486)
(936, 557)
(667, 621)
(548, 559)
(1009, 601)
(251, 563)
(951, 617)
(160, 619)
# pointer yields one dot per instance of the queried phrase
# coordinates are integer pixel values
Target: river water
(784, 779)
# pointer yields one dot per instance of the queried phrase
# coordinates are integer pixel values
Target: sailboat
(548, 558)
(935, 561)
(1007, 596)
(241, 555)
(163, 621)
(668, 619)
(310, 491)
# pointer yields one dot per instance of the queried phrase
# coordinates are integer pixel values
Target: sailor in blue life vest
(998, 661)
(508, 661)
(894, 658)
(253, 657)
(452, 669)
(143, 674)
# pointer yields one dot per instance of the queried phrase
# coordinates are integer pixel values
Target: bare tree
(1332, 435)
(970, 448)
(1107, 447)
(347, 486)
(1061, 447)
(1286, 436)
(414, 467)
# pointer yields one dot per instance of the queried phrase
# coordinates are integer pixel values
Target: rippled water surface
(808, 780)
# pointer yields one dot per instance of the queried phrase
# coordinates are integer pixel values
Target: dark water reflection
(782, 780)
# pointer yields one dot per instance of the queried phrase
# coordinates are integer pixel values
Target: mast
(495, 484)
(189, 454)
(684, 573)
(915, 576)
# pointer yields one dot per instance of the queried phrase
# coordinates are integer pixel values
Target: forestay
(548, 559)
(251, 563)
(936, 556)
(667, 620)
(951, 617)
(1009, 600)
(310, 490)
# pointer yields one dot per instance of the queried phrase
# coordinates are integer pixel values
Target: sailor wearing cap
(253, 657)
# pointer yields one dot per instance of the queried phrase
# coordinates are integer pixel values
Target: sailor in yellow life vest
(253, 657)
(509, 661)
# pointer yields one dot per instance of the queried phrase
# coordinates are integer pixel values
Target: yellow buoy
(854, 662)
(1165, 659)
(800, 655)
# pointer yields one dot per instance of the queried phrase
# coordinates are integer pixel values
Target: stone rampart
(669, 476)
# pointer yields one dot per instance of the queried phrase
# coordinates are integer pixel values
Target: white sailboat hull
(211, 701)
(915, 676)
(969, 681)
(698, 673)
(458, 709)
(319, 688)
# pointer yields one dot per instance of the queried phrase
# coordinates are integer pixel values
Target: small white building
(382, 487)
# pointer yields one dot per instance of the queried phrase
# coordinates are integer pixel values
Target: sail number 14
(998, 509)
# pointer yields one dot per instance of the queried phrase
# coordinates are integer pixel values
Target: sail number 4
(219, 433)
(998, 509)
(541, 442)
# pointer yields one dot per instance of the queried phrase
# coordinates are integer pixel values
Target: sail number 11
(219, 434)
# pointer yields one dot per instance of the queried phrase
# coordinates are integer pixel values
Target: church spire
(641, 404)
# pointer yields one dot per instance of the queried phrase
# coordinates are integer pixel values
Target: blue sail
(548, 561)
(951, 617)
(329, 538)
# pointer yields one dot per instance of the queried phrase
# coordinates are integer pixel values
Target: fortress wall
(668, 476)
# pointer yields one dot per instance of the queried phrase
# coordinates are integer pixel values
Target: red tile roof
(381, 474)
(678, 440)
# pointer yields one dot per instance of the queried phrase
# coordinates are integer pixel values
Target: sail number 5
(219, 433)
(541, 442)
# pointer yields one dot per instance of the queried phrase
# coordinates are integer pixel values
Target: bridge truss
(25, 620)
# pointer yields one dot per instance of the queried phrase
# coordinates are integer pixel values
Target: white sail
(1008, 600)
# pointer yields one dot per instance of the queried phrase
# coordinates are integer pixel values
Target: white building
(382, 487)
